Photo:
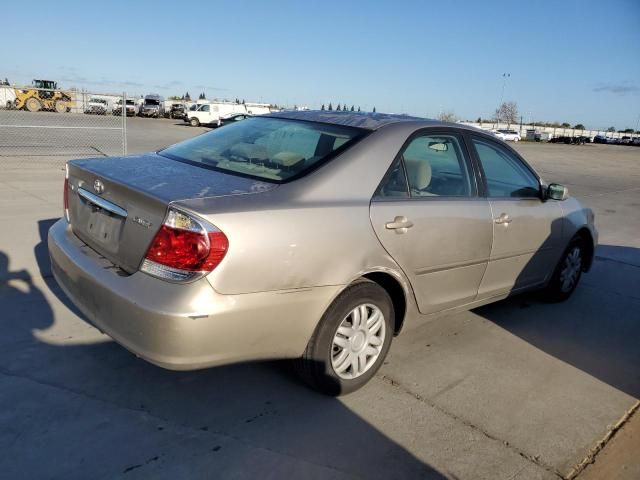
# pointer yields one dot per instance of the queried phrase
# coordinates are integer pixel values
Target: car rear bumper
(183, 326)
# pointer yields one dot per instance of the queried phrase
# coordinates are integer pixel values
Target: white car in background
(507, 135)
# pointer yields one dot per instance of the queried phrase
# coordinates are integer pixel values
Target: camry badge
(98, 186)
(142, 221)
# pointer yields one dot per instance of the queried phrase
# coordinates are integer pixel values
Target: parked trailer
(7, 96)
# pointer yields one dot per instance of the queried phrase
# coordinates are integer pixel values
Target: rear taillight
(65, 193)
(184, 249)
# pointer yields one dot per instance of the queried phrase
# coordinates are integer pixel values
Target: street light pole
(504, 84)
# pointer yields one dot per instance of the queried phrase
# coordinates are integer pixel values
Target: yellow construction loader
(43, 95)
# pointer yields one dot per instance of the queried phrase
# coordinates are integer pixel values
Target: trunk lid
(117, 204)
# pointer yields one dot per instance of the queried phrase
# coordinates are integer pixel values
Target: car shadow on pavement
(263, 421)
(597, 330)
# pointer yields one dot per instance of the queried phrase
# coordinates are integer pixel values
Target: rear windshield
(271, 149)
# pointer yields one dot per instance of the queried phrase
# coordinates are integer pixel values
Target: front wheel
(351, 341)
(33, 104)
(194, 122)
(567, 273)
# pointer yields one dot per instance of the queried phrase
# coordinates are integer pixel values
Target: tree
(338, 109)
(243, 101)
(507, 112)
(352, 109)
(447, 116)
(374, 109)
(175, 97)
(358, 107)
(579, 126)
(565, 125)
(187, 97)
(322, 107)
(628, 130)
(330, 107)
(479, 120)
(611, 129)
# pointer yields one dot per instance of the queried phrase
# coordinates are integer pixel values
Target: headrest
(250, 151)
(287, 159)
(418, 172)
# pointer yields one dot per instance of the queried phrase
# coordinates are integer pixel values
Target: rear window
(271, 149)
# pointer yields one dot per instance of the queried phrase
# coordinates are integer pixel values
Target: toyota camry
(313, 236)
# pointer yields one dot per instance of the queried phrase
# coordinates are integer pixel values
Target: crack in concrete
(599, 446)
(608, 259)
(177, 425)
(535, 459)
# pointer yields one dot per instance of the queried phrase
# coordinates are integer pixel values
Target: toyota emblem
(98, 186)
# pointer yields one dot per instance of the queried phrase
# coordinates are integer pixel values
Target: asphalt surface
(517, 389)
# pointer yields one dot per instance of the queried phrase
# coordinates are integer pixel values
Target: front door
(526, 230)
(430, 219)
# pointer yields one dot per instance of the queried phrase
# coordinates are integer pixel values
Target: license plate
(104, 229)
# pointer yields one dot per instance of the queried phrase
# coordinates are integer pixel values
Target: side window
(435, 167)
(394, 184)
(430, 166)
(204, 108)
(505, 174)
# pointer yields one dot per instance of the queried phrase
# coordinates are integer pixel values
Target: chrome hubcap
(570, 270)
(358, 341)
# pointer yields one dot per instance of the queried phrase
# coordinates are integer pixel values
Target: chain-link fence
(53, 124)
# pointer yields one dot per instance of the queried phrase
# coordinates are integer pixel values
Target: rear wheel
(60, 106)
(567, 273)
(351, 340)
(33, 104)
(194, 122)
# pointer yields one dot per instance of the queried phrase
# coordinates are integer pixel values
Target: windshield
(130, 102)
(97, 100)
(149, 101)
(266, 148)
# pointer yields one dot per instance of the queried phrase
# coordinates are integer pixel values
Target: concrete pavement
(517, 389)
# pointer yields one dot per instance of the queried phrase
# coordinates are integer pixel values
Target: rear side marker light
(184, 248)
(65, 193)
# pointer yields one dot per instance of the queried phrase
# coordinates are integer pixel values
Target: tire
(322, 365)
(60, 106)
(567, 273)
(33, 104)
(194, 122)
(10, 105)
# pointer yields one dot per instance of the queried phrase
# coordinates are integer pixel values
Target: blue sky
(574, 61)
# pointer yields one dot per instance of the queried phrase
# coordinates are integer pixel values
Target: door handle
(400, 224)
(503, 219)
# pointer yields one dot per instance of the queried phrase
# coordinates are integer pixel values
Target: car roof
(366, 120)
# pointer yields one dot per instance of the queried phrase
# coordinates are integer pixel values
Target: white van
(211, 113)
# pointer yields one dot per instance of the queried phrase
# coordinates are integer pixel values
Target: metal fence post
(124, 123)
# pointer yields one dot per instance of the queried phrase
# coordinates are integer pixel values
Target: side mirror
(555, 191)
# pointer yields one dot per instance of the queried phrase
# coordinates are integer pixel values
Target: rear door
(429, 217)
(526, 230)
